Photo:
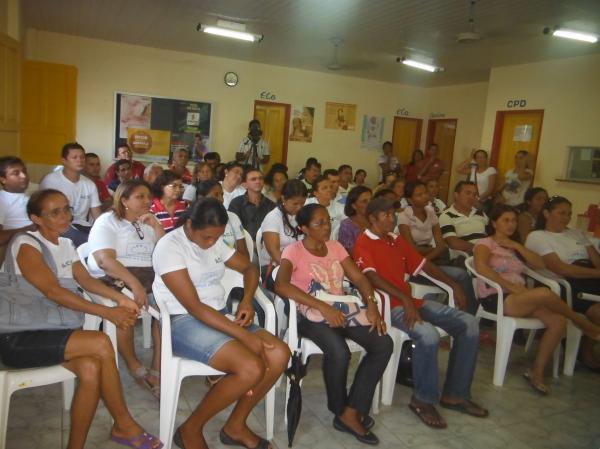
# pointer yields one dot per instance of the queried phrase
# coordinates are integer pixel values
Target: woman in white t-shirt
(234, 231)
(478, 170)
(569, 253)
(418, 225)
(88, 354)
(279, 228)
(121, 242)
(189, 264)
(517, 180)
(322, 194)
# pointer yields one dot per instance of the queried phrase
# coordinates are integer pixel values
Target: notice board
(156, 126)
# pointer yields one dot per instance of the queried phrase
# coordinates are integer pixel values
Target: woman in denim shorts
(189, 264)
(89, 354)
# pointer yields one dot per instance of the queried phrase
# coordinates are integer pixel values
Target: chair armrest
(443, 286)
(268, 309)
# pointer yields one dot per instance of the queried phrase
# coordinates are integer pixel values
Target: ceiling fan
(471, 35)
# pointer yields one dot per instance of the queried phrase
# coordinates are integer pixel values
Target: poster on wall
(301, 123)
(154, 127)
(340, 116)
(372, 132)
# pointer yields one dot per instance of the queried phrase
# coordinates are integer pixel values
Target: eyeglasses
(320, 224)
(176, 186)
(138, 230)
(55, 213)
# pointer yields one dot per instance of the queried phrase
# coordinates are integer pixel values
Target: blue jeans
(461, 366)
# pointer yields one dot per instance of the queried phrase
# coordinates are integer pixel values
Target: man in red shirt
(124, 152)
(386, 259)
(92, 171)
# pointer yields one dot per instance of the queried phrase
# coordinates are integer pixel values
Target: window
(584, 164)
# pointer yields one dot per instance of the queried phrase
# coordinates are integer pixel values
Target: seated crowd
(172, 234)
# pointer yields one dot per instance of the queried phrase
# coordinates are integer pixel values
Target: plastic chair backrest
(260, 248)
(249, 244)
(166, 350)
(469, 265)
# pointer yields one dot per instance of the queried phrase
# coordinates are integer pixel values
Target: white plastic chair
(249, 244)
(13, 380)
(388, 383)
(107, 326)
(505, 325)
(174, 369)
(574, 334)
(260, 248)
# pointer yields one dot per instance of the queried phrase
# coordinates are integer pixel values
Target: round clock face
(231, 79)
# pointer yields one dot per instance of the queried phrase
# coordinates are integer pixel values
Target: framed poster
(156, 126)
(340, 116)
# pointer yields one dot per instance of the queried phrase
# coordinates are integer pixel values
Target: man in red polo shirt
(124, 152)
(385, 259)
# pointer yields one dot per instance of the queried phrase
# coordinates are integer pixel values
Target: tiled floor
(519, 419)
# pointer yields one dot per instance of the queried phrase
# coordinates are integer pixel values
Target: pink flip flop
(142, 441)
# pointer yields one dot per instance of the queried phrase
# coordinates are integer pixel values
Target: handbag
(351, 306)
(24, 308)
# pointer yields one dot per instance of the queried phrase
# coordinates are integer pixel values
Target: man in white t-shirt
(231, 182)
(387, 161)
(345, 182)
(79, 190)
(13, 199)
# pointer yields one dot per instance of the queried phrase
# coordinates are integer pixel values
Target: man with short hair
(462, 224)
(231, 182)
(122, 172)
(312, 171)
(124, 152)
(179, 163)
(433, 167)
(151, 172)
(253, 150)
(92, 170)
(253, 206)
(13, 199)
(79, 190)
(385, 259)
(213, 159)
(345, 182)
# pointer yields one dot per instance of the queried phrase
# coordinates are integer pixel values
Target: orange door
(515, 131)
(10, 65)
(274, 120)
(48, 108)
(443, 132)
(406, 137)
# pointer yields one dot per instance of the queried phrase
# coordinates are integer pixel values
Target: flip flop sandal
(539, 388)
(142, 441)
(428, 411)
(211, 381)
(367, 438)
(229, 441)
(140, 376)
(467, 407)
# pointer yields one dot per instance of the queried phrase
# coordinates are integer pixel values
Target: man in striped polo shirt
(461, 224)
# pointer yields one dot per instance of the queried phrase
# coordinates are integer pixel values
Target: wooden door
(274, 120)
(10, 67)
(406, 137)
(443, 133)
(515, 131)
(48, 110)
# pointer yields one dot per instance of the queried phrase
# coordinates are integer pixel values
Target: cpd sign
(519, 103)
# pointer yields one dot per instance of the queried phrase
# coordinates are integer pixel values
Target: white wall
(568, 90)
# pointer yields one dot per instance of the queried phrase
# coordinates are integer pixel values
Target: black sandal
(367, 438)
(229, 441)
(467, 407)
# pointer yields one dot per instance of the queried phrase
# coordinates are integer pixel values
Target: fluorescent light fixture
(231, 33)
(576, 35)
(420, 65)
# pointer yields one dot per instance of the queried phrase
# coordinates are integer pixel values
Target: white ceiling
(298, 33)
